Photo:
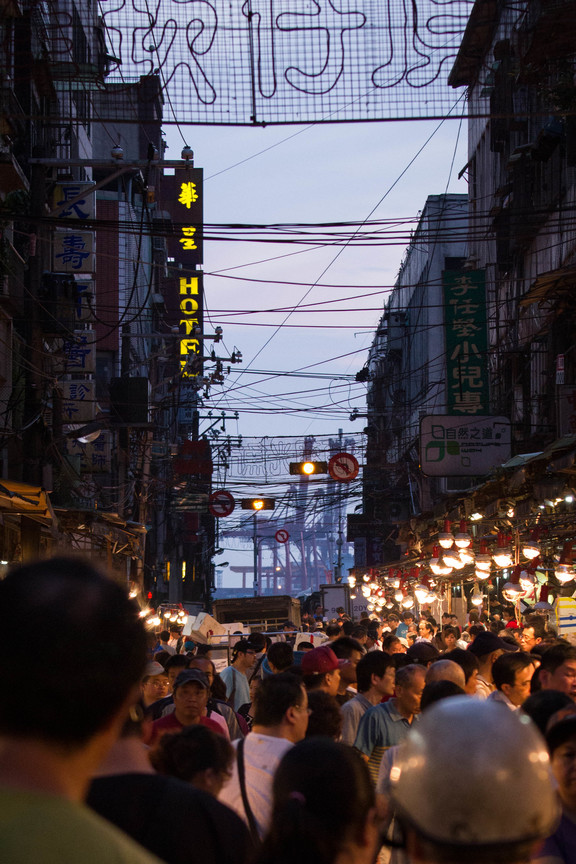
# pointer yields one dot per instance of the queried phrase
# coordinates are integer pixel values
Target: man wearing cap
(487, 647)
(235, 676)
(388, 723)
(321, 670)
(191, 691)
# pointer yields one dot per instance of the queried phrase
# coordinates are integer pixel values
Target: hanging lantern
(421, 593)
(531, 547)
(483, 559)
(452, 559)
(408, 602)
(446, 538)
(513, 590)
(477, 597)
(463, 539)
(564, 571)
(503, 556)
(467, 555)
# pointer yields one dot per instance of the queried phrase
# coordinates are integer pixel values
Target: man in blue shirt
(388, 723)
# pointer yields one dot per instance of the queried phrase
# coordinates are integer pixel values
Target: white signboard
(463, 446)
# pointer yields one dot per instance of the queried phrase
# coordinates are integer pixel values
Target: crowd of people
(392, 739)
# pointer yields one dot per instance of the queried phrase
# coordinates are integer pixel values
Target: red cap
(320, 660)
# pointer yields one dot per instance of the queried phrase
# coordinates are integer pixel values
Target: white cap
(501, 790)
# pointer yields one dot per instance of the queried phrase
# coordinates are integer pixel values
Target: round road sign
(343, 467)
(282, 536)
(221, 503)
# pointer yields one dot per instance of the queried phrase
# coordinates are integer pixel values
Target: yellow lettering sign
(188, 239)
(189, 286)
(188, 195)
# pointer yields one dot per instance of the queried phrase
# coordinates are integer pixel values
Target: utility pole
(255, 537)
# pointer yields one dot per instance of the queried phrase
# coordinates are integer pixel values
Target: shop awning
(24, 499)
(550, 286)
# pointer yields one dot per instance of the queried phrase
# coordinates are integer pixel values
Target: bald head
(446, 670)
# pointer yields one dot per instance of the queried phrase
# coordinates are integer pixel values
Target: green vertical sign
(465, 324)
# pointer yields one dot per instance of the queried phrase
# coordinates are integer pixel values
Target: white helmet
(474, 773)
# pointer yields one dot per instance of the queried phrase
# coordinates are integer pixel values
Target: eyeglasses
(302, 708)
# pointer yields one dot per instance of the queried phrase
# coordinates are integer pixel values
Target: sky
(307, 174)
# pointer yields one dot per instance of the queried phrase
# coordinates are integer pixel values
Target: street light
(257, 504)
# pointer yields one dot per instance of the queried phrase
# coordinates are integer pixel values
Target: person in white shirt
(280, 721)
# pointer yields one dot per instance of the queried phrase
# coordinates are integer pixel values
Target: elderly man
(65, 710)
(387, 724)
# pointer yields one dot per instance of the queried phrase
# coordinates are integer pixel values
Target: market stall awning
(24, 499)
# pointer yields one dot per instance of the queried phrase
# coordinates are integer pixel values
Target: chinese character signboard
(78, 401)
(184, 302)
(95, 457)
(184, 201)
(79, 198)
(466, 342)
(74, 251)
(80, 352)
(461, 446)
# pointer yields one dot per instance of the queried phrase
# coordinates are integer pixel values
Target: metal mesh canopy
(289, 61)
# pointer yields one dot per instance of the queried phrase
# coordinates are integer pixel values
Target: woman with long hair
(323, 807)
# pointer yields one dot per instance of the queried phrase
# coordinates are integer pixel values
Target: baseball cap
(189, 675)
(422, 653)
(320, 660)
(486, 642)
(153, 668)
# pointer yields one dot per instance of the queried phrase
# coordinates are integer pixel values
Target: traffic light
(308, 468)
(258, 504)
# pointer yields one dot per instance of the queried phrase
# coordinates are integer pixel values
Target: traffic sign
(343, 467)
(221, 503)
(282, 536)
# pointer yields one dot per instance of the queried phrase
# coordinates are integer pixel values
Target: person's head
(446, 670)
(325, 716)
(321, 670)
(323, 800)
(473, 617)
(333, 632)
(435, 691)
(243, 655)
(376, 671)
(164, 636)
(204, 651)
(425, 629)
(392, 644)
(410, 683)
(305, 646)
(422, 653)
(408, 617)
(540, 706)
(474, 817)
(474, 630)
(84, 684)
(281, 703)
(360, 633)
(469, 664)
(450, 636)
(205, 665)
(561, 741)
(487, 647)
(280, 656)
(533, 632)
(512, 674)
(175, 632)
(174, 665)
(155, 683)
(558, 669)
(191, 692)
(197, 755)
(351, 652)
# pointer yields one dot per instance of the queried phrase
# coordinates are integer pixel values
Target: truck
(258, 613)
